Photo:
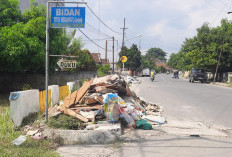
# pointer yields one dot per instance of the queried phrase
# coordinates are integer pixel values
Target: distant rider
(152, 76)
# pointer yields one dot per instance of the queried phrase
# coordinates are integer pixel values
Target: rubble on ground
(108, 99)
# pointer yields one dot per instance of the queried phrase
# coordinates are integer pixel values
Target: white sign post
(62, 17)
(67, 63)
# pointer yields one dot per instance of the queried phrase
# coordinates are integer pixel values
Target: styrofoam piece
(71, 85)
(19, 140)
(26, 103)
(54, 94)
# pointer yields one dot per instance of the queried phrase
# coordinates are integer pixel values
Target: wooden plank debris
(82, 91)
(76, 115)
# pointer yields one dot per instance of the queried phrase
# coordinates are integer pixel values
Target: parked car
(197, 75)
(146, 72)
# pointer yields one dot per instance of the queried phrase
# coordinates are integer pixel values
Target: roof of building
(105, 61)
(163, 65)
(96, 57)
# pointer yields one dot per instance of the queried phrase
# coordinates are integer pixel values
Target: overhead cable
(100, 19)
(97, 29)
(223, 3)
(90, 39)
(213, 6)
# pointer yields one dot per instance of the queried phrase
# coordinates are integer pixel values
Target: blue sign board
(68, 17)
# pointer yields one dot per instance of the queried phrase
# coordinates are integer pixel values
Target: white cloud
(162, 23)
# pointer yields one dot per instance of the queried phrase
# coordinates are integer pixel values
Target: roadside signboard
(67, 17)
(124, 59)
(67, 63)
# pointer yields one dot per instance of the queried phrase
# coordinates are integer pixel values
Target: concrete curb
(81, 136)
(100, 134)
(220, 84)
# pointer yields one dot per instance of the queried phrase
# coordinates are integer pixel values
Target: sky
(151, 23)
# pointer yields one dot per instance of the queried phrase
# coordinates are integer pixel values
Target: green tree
(22, 45)
(147, 63)
(133, 58)
(156, 53)
(204, 49)
(10, 13)
(34, 11)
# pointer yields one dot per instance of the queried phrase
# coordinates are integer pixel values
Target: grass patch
(30, 147)
(65, 122)
(229, 84)
(100, 73)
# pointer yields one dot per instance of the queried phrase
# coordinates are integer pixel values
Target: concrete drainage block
(101, 136)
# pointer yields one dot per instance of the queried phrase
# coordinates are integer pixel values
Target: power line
(223, 3)
(230, 5)
(103, 39)
(100, 19)
(97, 29)
(90, 39)
(212, 5)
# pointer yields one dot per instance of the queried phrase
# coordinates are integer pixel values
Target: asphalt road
(183, 100)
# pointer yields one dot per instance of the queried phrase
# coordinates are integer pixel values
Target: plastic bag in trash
(143, 124)
(19, 140)
(127, 117)
(112, 114)
(133, 112)
(111, 107)
(14, 96)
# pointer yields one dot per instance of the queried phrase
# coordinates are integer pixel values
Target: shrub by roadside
(8, 133)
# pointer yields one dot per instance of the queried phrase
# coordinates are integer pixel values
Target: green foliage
(65, 122)
(148, 60)
(202, 51)
(75, 47)
(85, 61)
(10, 12)
(133, 57)
(23, 39)
(30, 147)
(26, 87)
(34, 11)
(148, 63)
(103, 70)
(156, 53)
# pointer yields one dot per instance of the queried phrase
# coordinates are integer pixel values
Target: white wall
(26, 103)
(54, 94)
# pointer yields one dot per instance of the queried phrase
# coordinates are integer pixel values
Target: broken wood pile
(84, 103)
(103, 98)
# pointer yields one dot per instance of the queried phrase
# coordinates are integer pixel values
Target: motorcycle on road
(152, 78)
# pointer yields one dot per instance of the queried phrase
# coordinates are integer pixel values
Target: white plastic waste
(19, 140)
(157, 119)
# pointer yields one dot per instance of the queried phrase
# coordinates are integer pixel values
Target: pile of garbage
(109, 99)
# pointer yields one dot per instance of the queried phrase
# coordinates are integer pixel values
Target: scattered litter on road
(194, 135)
(143, 124)
(157, 119)
(32, 132)
(18, 141)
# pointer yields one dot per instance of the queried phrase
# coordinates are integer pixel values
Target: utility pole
(106, 51)
(123, 34)
(215, 76)
(113, 55)
(47, 64)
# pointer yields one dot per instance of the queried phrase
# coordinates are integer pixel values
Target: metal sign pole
(47, 61)
(123, 67)
(47, 52)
